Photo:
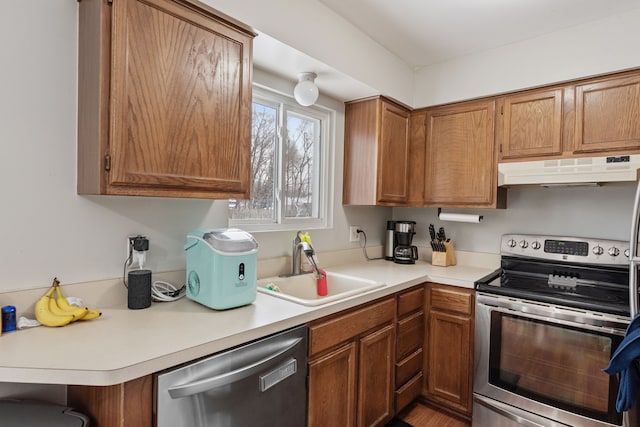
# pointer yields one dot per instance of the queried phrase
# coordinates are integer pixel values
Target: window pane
(300, 170)
(264, 135)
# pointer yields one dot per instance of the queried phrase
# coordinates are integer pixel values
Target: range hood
(567, 172)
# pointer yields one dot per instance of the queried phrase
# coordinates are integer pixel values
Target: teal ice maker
(221, 267)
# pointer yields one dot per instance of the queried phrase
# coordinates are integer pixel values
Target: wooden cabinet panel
(447, 298)
(411, 300)
(449, 347)
(177, 106)
(408, 392)
(608, 115)
(328, 333)
(417, 147)
(531, 124)
(375, 399)
(121, 405)
(461, 159)
(393, 161)
(376, 153)
(332, 388)
(449, 368)
(410, 334)
(408, 367)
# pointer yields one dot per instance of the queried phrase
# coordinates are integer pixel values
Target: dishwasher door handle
(229, 377)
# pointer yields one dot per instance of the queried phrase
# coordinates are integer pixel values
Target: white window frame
(324, 164)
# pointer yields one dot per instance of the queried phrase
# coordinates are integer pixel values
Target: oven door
(546, 360)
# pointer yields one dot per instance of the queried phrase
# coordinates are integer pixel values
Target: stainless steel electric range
(547, 324)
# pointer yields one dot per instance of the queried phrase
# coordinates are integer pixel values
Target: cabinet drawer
(408, 367)
(326, 334)
(409, 392)
(410, 301)
(410, 334)
(451, 299)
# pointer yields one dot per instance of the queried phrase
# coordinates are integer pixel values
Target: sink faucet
(296, 260)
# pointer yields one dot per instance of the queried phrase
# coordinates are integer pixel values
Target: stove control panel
(569, 249)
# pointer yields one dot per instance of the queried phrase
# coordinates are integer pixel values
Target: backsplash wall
(600, 212)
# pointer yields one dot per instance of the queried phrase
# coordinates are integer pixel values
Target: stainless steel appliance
(404, 252)
(390, 240)
(547, 324)
(259, 384)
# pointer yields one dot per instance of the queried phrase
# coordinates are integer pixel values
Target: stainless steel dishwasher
(262, 383)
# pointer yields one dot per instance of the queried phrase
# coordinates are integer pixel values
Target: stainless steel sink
(302, 289)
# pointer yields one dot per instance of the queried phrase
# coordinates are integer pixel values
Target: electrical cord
(364, 248)
(161, 291)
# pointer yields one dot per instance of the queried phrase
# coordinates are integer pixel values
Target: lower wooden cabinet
(128, 404)
(351, 367)
(449, 343)
(332, 388)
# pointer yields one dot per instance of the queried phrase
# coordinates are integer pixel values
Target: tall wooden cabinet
(449, 343)
(461, 157)
(376, 153)
(164, 100)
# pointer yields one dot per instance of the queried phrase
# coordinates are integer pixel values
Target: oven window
(554, 364)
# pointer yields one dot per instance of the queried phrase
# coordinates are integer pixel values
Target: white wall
(599, 212)
(314, 29)
(597, 47)
(46, 229)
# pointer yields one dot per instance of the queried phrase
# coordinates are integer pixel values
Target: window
(290, 168)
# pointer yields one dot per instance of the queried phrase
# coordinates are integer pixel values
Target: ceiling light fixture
(306, 92)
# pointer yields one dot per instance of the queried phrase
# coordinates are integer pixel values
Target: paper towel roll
(456, 217)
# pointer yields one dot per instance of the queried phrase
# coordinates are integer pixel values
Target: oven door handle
(510, 413)
(633, 255)
(548, 317)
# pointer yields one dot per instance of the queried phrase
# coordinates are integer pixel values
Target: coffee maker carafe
(404, 252)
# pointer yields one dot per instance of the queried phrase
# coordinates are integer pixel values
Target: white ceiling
(425, 32)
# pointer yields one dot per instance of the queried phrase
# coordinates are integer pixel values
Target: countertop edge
(406, 276)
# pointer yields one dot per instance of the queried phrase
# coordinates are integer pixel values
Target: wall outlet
(354, 236)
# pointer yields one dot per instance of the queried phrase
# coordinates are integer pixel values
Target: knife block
(446, 258)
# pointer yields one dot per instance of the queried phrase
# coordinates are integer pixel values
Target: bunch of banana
(55, 310)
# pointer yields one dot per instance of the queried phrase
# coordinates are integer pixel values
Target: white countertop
(126, 344)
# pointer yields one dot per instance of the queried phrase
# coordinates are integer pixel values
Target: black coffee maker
(404, 252)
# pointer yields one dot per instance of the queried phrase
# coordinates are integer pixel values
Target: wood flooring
(420, 415)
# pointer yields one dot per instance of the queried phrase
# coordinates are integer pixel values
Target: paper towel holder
(459, 217)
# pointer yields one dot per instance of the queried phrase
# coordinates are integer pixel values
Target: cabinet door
(393, 154)
(332, 388)
(531, 125)
(608, 115)
(180, 102)
(375, 383)
(461, 159)
(449, 361)
(417, 147)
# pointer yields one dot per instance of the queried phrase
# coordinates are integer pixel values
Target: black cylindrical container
(139, 289)
(390, 243)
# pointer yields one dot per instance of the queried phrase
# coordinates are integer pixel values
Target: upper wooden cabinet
(164, 100)
(461, 157)
(376, 153)
(530, 124)
(608, 115)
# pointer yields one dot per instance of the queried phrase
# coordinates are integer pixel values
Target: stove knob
(598, 250)
(626, 253)
(524, 244)
(512, 243)
(613, 251)
(536, 245)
